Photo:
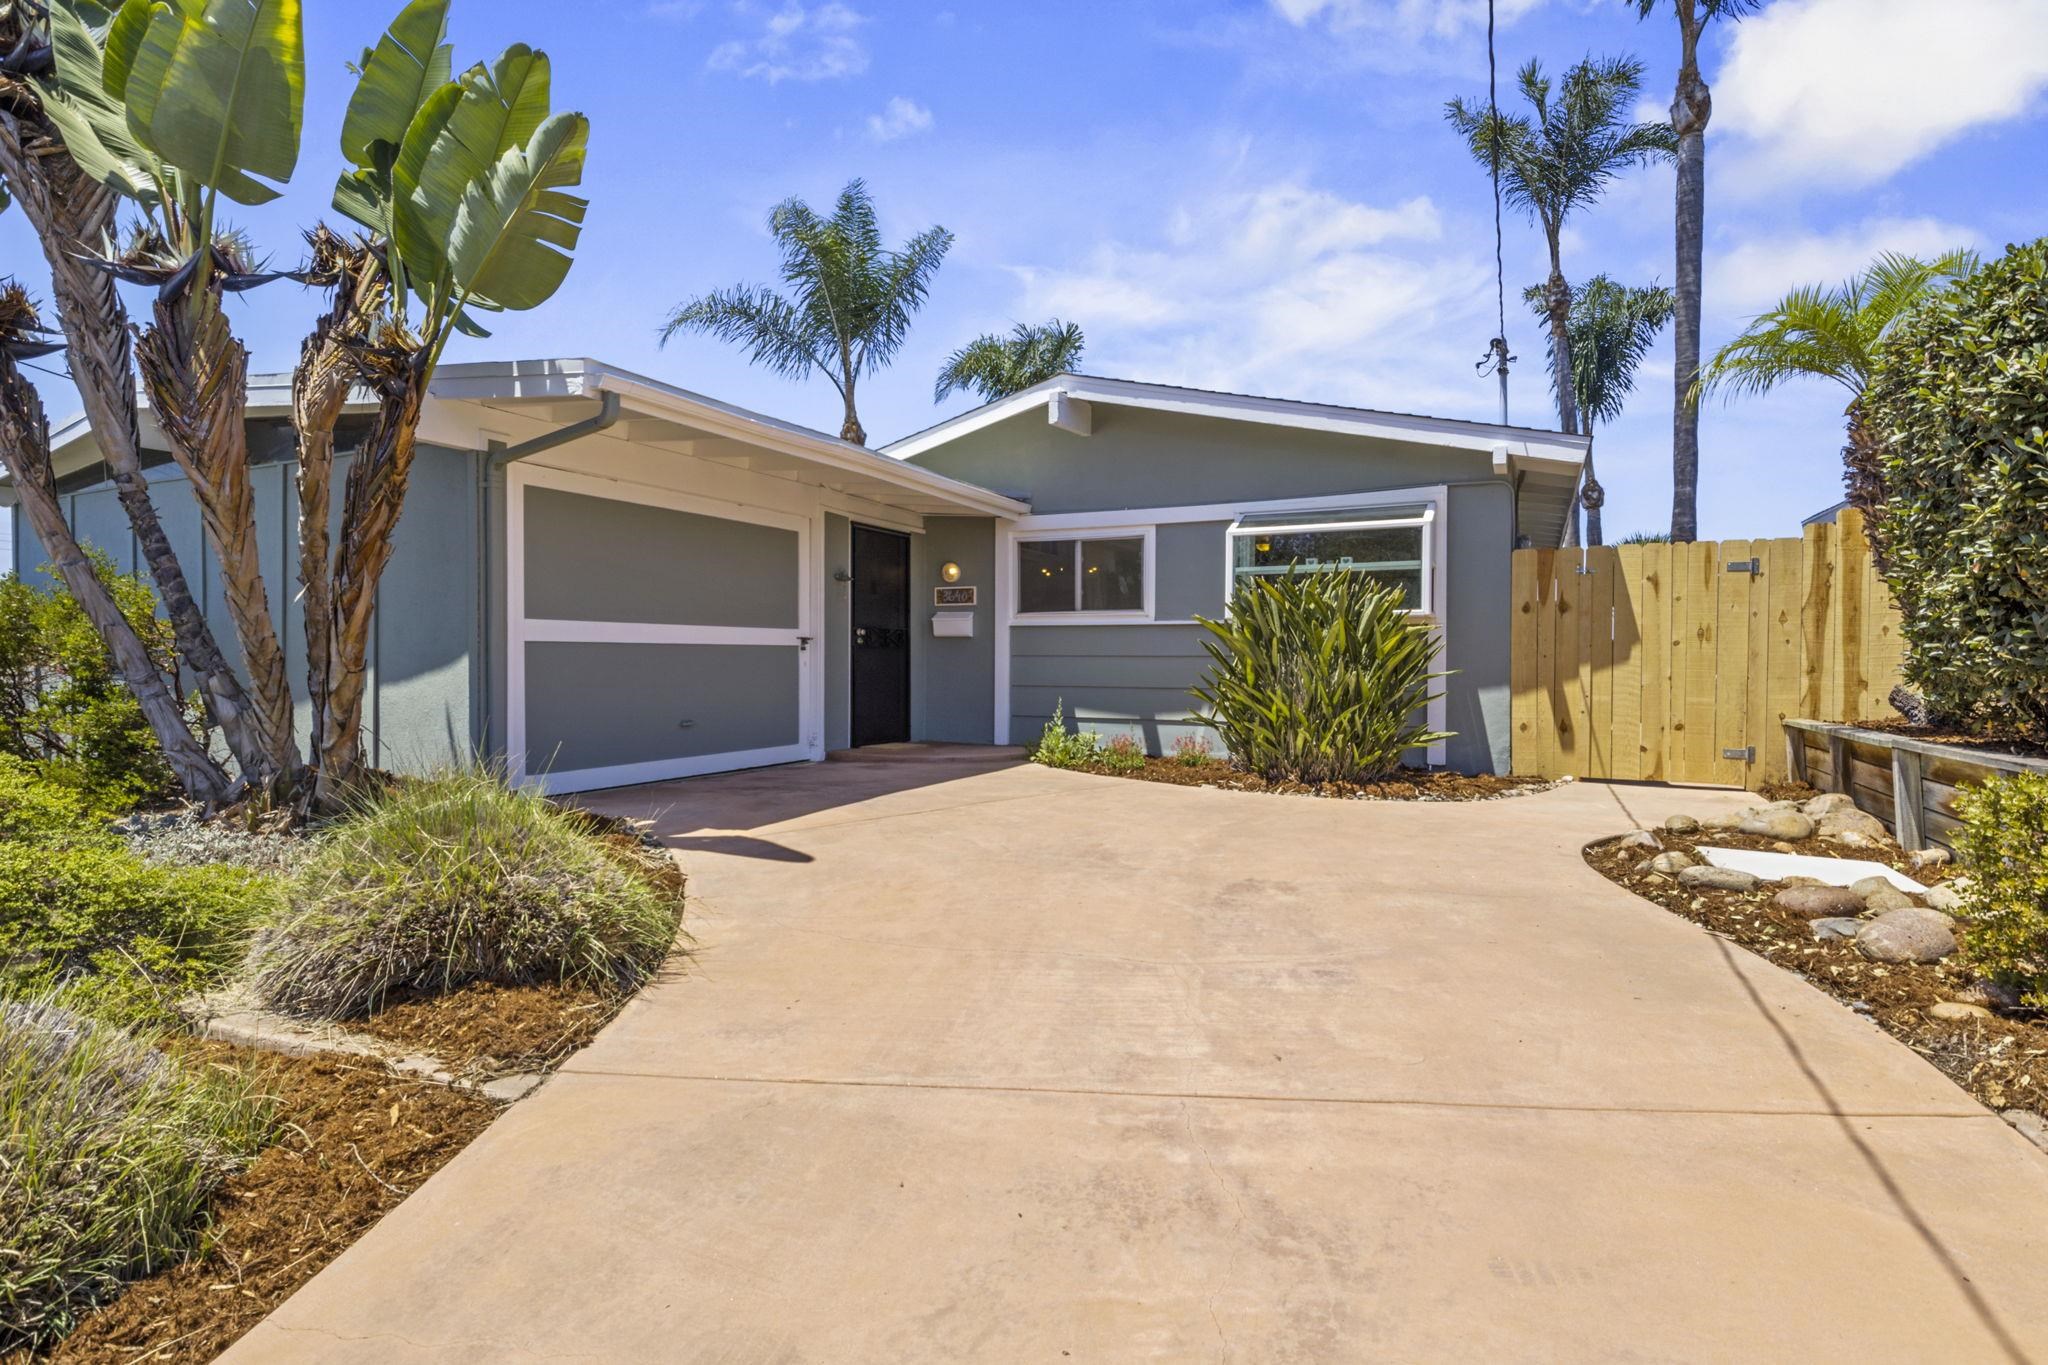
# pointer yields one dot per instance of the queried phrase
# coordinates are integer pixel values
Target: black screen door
(881, 637)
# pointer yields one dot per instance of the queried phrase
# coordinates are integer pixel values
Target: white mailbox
(952, 624)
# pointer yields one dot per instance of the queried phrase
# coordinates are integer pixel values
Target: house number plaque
(952, 596)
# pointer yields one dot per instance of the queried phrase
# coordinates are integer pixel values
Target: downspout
(496, 458)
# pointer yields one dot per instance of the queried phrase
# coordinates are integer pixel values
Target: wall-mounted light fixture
(949, 571)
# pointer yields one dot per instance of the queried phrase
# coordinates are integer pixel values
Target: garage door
(655, 635)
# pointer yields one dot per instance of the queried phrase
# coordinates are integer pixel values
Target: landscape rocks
(1827, 803)
(1639, 838)
(1947, 897)
(1836, 824)
(1992, 995)
(1870, 886)
(1888, 898)
(1928, 859)
(1670, 863)
(1956, 1011)
(1778, 824)
(1705, 877)
(1819, 902)
(1728, 820)
(1907, 935)
(1825, 929)
(1682, 824)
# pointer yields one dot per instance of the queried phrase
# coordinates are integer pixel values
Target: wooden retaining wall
(1680, 663)
(1910, 784)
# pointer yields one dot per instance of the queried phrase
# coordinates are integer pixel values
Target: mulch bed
(353, 1141)
(2002, 1061)
(483, 1029)
(1418, 786)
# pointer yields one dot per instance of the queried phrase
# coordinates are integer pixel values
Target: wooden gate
(1677, 663)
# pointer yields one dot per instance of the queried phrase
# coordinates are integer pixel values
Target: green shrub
(434, 884)
(1318, 677)
(1958, 399)
(1122, 754)
(124, 937)
(1059, 747)
(63, 709)
(1193, 751)
(34, 808)
(2003, 923)
(109, 1151)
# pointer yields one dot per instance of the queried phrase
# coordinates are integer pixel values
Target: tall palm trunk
(72, 216)
(1592, 496)
(1864, 482)
(198, 378)
(1690, 109)
(370, 508)
(850, 429)
(25, 447)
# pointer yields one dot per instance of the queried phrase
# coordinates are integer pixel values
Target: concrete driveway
(1018, 1065)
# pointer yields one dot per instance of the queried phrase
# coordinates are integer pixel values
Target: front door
(881, 636)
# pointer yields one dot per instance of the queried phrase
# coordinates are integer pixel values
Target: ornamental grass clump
(2003, 922)
(109, 1151)
(1319, 677)
(434, 884)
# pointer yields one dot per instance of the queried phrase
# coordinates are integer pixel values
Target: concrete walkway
(1017, 1065)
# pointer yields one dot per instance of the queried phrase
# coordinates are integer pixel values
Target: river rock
(1819, 902)
(1992, 995)
(1726, 820)
(1927, 859)
(1710, 878)
(1825, 929)
(1778, 824)
(1908, 935)
(1851, 821)
(1870, 886)
(1887, 898)
(1956, 1011)
(1947, 897)
(1827, 803)
(1681, 824)
(1639, 838)
(1670, 862)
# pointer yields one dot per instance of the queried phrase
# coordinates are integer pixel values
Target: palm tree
(850, 300)
(1691, 106)
(1561, 160)
(1613, 327)
(997, 366)
(1834, 333)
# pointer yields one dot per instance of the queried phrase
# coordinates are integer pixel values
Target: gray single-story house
(603, 579)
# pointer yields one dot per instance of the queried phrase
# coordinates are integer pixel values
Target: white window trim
(1426, 520)
(521, 629)
(1017, 614)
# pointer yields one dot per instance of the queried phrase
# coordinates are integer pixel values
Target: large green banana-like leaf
(409, 62)
(459, 135)
(93, 124)
(215, 87)
(516, 226)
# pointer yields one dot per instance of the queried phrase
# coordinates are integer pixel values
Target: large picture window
(1077, 575)
(1390, 544)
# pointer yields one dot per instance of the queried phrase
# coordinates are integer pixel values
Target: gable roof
(1523, 445)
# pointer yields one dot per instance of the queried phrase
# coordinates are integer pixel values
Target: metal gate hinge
(1746, 754)
(1749, 566)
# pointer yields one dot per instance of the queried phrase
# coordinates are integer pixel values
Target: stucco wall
(421, 709)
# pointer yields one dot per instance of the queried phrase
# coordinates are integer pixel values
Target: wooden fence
(1678, 663)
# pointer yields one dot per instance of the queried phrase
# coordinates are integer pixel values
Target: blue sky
(1259, 196)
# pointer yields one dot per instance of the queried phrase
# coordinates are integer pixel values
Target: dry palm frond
(22, 334)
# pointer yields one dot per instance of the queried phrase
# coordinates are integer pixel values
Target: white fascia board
(1525, 444)
(724, 419)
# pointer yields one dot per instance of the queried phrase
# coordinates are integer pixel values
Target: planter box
(1908, 783)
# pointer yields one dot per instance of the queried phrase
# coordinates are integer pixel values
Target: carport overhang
(521, 401)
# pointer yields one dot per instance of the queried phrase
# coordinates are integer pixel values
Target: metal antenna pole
(1497, 358)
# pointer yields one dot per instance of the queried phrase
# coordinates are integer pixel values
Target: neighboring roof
(1826, 515)
(565, 381)
(1525, 444)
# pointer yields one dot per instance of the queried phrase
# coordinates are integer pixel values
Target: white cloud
(800, 43)
(1283, 289)
(1751, 277)
(1441, 18)
(900, 117)
(1848, 91)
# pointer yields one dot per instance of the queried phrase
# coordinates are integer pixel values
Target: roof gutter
(607, 415)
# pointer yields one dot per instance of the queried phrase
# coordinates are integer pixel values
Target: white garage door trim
(520, 630)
